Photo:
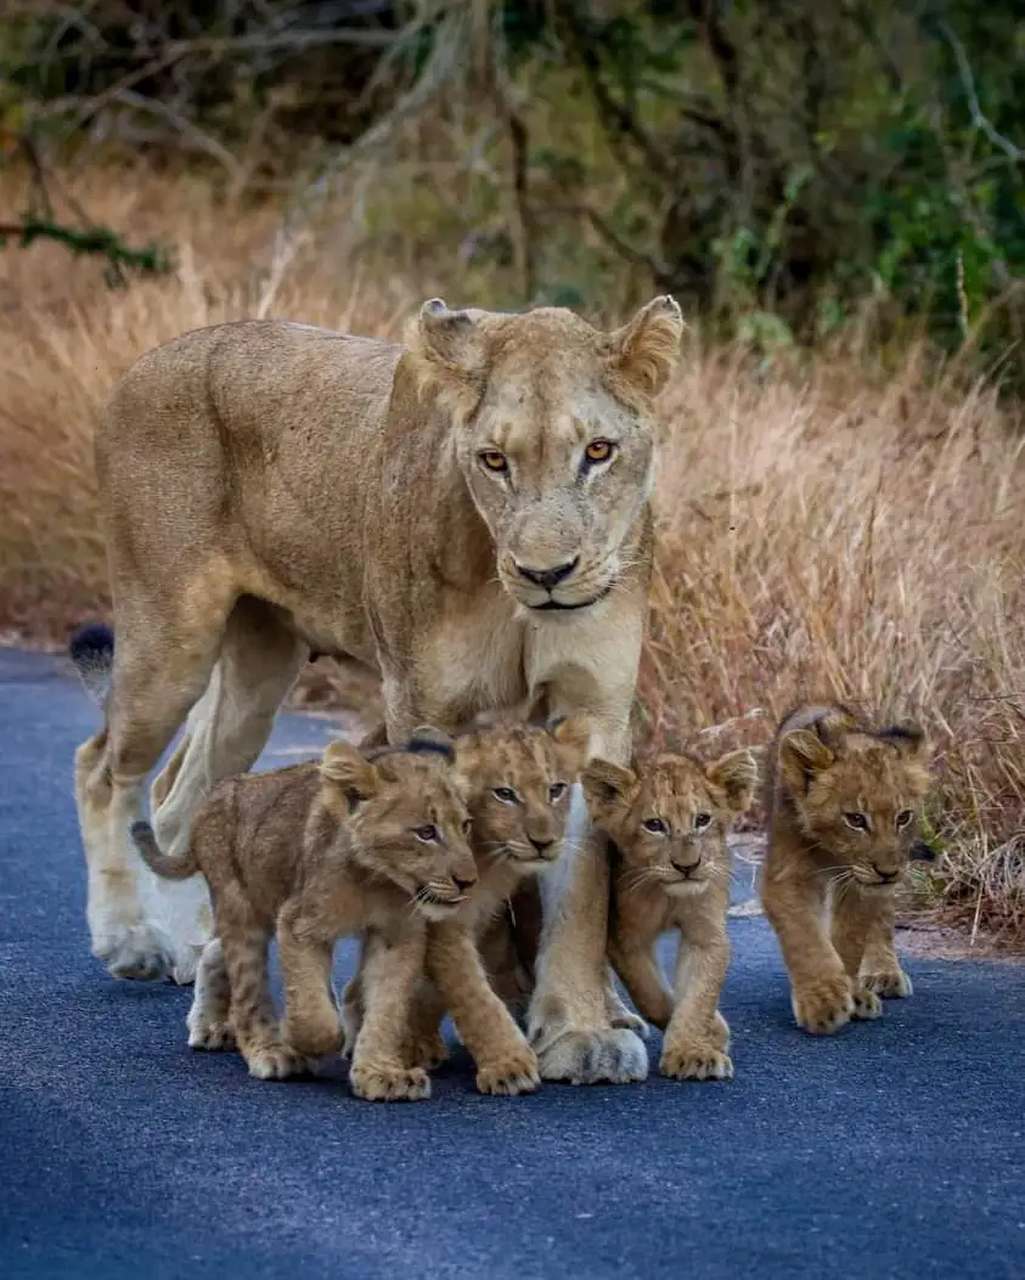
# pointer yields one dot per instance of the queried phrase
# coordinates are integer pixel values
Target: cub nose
(548, 578)
(540, 845)
(887, 877)
(687, 867)
(463, 883)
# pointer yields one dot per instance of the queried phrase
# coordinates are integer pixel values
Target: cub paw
(823, 1007)
(426, 1052)
(135, 952)
(314, 1039)
(276, 1062)
(507, 1076)
(867, 1005)
(610, 1055)
(720, 1032)
(212, 1036)
(891, 984)
(695, 1062)
(389, 1084)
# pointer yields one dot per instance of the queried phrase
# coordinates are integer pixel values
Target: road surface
(892, 1150)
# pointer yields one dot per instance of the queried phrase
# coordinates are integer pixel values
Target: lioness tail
(92, 652)
(169, 866)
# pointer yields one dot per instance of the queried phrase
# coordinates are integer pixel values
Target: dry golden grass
(824, 531)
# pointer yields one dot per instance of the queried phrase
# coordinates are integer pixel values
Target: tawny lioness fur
(667, 820)
(844, 801)
(313, 853)
(518, 779)
(467, 514)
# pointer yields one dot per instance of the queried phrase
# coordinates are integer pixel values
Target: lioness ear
(343, 767)
(449, 353)
(606, 785)
(644, 350)
(573, 734)
(736, 776)
(427, 738)
(802, 754)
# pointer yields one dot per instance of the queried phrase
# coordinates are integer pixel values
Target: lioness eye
(599, 451)
(856, 820)
(657, 826)
(506, 794)
(557, 791)
(428, 833)
(702, 820)
(904, 817)
(495, 460)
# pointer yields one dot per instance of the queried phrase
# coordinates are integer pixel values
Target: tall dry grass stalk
(825, 531)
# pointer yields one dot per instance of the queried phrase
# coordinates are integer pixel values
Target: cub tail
(92, 652)
(168, 866)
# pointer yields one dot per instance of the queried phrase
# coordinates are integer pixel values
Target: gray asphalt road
(893, 1150)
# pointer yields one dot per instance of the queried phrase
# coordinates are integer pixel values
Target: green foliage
(152, 259)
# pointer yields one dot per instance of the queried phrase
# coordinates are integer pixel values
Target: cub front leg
(635, 961)
(881, 971)
(693, 1047)
(821, 993)
(854, 914)
(390, 967)
(311, 1023)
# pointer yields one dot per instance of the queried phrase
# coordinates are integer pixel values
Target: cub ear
(802, 754)
(736, 776)
(645, 349)
(908, 738)
(343, 767)
(606, 785)
(427, 738)
(450, 354)
(573, 735)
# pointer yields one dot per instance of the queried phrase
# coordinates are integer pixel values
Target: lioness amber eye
(655, 825)
(904, 817)
(702, 820)
(506, 794)
(557, 791)
(427, 833)
(856, 820)
(494, 460)
(599, 451)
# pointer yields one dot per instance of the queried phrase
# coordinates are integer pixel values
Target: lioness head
(553, 434)
(405, 817)
(669, 819)
(856, 794)
(519, 778)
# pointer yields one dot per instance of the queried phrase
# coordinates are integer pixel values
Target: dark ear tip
(434, 307)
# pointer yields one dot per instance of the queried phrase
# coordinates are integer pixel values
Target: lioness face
(669, 820)
(554, 436)
(406, 819)
(519, 779)
(858, 797)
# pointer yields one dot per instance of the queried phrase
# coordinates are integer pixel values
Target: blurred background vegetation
(790, 170)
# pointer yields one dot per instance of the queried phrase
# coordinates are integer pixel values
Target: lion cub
(667, 821)
(518, 779)
(316, 852)
(844, 801)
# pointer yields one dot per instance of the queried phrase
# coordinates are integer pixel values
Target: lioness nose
(548, 578)
(540, 845)
(462, 883)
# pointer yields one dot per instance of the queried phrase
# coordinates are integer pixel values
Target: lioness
(313, 853)
(466, 513)
(667, 819)
(518, 778)
(844, 801)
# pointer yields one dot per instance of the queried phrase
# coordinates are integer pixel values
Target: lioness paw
(720, 1032)
(136, 952)
(276, 1062)
(823, 1007)
(507, 1076)
(389, 1084)
(695, 1062)
(610, 1055)
(212, 1036)
(867, 1005)
(891, 984)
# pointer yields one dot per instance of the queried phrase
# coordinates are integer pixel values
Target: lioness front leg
(692, 1048)
(820, 990)
(506, 1064)
(390, 968)
(854, 913)
(881, 971)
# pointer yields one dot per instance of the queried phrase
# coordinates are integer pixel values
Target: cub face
(669, 819)
(519, 779)
(405, 817)
(857, 794)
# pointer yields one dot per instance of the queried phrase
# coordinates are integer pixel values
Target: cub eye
(702, 820)
(506, 794)
(856, 820)
(599, 451)
(495, 460)
(657, 826)
(904, 817)
(556, 791)
(428, 833)
(467, 826)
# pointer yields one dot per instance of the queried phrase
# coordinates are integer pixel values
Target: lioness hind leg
(228, 728)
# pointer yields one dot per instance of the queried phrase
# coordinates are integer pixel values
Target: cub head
(405, 817)
(856, 793)
(669, 818)
(553, 434)
(519, 778)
